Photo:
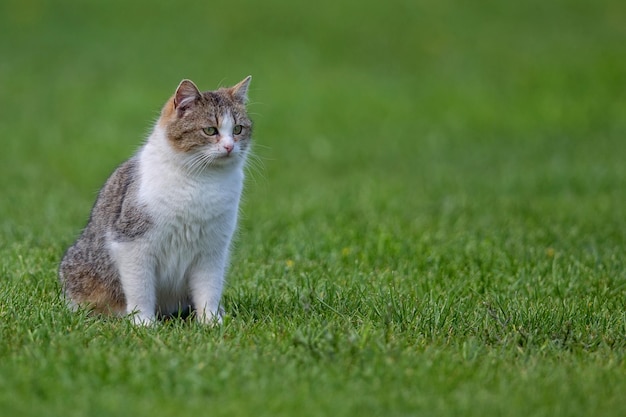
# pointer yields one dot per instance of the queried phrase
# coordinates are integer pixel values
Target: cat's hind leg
(91, 287)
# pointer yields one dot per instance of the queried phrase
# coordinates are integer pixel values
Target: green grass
(437, 226)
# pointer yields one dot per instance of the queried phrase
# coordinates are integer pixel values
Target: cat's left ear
(240, 91)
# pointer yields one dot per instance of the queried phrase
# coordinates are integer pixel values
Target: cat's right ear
(186, 94)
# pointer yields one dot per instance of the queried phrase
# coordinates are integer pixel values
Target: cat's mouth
(225, 157)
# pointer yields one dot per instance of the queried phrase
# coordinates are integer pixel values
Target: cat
(158, 237)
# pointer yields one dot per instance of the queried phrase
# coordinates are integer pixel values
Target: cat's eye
(210, 131)
(237, 129)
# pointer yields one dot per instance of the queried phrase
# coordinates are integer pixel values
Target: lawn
(434, 221)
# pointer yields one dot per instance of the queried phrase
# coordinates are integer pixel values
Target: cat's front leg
(140, 316)
(140, 294)
(206, 284)
(137, 278)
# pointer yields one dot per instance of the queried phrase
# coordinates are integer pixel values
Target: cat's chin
(206, 161)
(225, 160)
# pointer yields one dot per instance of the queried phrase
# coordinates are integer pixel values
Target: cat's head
(210, 127)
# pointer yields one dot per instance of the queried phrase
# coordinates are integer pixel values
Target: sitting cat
(158, 236)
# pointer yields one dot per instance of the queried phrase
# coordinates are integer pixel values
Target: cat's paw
(211, 318)
(139, 319)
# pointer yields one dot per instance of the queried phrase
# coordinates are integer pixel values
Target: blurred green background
(403, 96)
(424, 169)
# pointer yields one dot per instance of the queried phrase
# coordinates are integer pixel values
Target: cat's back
(87, 271)
(118, 213)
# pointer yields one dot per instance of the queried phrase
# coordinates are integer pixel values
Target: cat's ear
(186, 93)
(240, 91)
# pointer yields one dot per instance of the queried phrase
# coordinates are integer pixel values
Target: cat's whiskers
(196, 164)
(207, 160)
(258, 145)
(191, 163)
(255, 165)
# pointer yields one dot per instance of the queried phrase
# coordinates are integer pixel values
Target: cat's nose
(228, 147)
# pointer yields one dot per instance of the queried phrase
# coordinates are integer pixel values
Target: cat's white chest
(191, 215)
